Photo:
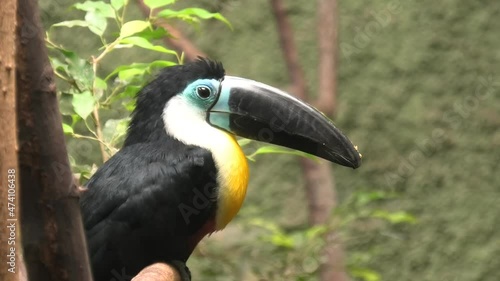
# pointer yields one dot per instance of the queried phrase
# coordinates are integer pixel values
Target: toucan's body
(181, 174)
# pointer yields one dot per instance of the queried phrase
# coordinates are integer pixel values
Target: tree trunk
(319, 181)
(9, 196)
(51, 226)
(327, 27)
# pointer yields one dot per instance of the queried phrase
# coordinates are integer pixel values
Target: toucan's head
(190, 100)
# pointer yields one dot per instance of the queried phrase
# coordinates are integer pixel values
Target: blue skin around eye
(190, 92)
(218, 115)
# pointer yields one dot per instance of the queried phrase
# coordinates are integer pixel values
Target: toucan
(181, 174)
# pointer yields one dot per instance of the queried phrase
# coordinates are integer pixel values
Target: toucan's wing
(144, 202)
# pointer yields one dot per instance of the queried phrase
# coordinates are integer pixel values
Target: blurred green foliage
(418, 93)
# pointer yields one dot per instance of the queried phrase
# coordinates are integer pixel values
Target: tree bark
(9, 196)
(51, 226)
(327, 24)
(319, 181)
(290, 52)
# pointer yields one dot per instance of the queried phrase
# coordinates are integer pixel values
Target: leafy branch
(89, 93)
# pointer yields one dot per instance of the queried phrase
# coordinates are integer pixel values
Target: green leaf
(363, 198)
(281, 150)
(72, 23)
(97, 23)
(59, 67)
(153, 4)
(193, 12)
(395, 217)
(129, 74)
(365, 274)
(284, 241)
(97, 12)
(121, 68)
(161, 64)
(56, 63)
(133, 27)
(83, 104)
(129, 92)
(316, 231)
(144, 67)
(243, 142)
(75, 118)
(152, 34)
(114, 130)
(99, 8)
(67, 129)
(129, 105)
(74, 68)
(267, 225)
(65, 104)
(117, 4)
(145, 44)
(100, 84)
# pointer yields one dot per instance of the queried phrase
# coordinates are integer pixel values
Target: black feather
(132, 209)
(147, 122)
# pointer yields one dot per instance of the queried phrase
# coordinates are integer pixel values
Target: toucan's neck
(146, 124)
(151, 129)
(188, 125)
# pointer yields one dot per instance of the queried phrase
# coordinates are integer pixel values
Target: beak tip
(356, 158)
(351, 160)
(356, 164)
(346, 155)
(353, 163)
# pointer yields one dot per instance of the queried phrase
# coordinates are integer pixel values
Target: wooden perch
(158, 272)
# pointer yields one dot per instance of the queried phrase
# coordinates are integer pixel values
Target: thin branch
(326, 15)
(295, 72)
(95, 112)
(78, 136)
(98, 129)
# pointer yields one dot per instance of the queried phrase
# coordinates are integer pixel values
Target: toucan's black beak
(257, 111)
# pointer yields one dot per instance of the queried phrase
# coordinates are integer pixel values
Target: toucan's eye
(203, 92)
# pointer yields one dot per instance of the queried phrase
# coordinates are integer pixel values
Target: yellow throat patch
(232, 178)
